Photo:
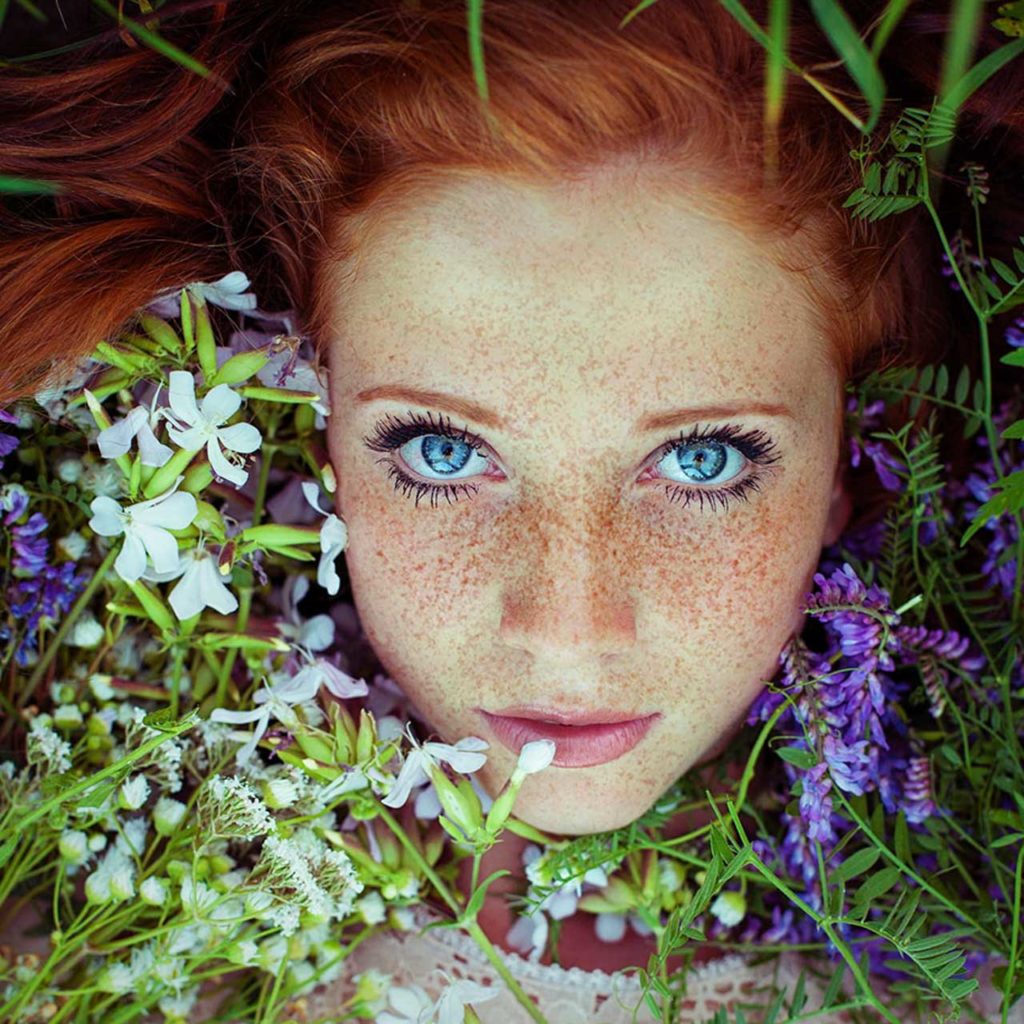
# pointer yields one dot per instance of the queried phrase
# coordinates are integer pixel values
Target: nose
(566, 601)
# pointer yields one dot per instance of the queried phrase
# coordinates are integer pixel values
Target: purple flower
(917, 800)
(8, 442)
(816, 804)
(1015, 333)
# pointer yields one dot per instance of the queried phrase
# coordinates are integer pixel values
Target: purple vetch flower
(40, 602)
(1015, 333)
(917, 789)
(30, 547)
(816, 804)
(8, 442)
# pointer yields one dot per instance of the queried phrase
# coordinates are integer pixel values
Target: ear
(840, 509)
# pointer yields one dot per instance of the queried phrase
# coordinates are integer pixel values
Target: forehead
(610, 277)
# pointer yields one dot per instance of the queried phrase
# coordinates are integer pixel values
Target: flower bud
(730, 908)
(153, 891)
(167, 815)
(279, 793)
(74, 846)
(133, 793)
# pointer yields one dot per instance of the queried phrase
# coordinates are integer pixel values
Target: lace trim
(597, 982)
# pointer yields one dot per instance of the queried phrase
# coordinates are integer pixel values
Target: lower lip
(576, 746)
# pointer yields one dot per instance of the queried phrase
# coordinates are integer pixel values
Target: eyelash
(755, 445)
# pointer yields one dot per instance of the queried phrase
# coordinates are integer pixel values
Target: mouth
(581, 740)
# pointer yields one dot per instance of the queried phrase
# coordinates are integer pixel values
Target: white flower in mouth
(146, 527)
(535, 756)
(464, 756)
(195, 426)
(333, 540)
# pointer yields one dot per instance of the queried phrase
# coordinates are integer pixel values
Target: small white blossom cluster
(230, 807)
(303, 871)
(46, 750)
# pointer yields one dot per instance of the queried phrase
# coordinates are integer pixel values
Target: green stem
(471, 927)
(245, 595)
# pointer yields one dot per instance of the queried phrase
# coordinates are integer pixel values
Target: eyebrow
(485, 417)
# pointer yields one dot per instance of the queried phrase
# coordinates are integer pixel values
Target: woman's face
(595, 562)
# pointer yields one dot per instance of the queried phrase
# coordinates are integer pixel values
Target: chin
(576, 819)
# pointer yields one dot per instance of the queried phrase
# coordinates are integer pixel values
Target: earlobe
(839, 512)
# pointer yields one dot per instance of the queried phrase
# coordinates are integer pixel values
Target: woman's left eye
(709, 462)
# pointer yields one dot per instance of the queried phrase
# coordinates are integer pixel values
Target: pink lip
(581, 739)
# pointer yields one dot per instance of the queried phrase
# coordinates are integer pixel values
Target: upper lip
(599, 716)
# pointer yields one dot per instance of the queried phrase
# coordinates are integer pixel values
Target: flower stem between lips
(471, 926)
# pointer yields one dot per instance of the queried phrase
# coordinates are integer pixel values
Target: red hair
(342, 112)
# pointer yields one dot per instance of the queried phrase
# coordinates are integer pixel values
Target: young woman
(587, 346)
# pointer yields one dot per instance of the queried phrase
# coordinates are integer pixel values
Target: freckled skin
(572, 310)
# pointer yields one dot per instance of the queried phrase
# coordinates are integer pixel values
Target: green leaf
(859, 60)
(960, 91)
(963, 385)
(1014, 358)
(877, 885)
(854, 865)
(1004, 271)
(1014, 432)
(797, 756)
(924, 382)
(476, 901)
(28, 186)
(941, 382)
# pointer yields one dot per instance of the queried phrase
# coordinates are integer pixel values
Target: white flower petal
(187, 597)
(153, 452)
(610, 927)
(333, 535)
(107, 519)
(116, 440)
(240, 437)
(412, 774)
(220, 404)
(173, 510)
(535, 756)
(190, 440)
(237, 717)
(130, 563)
(318, 633)
(224, 469)
(341, 684)
(216, 593)
(161, 546)
(182, 397)
(311, 491)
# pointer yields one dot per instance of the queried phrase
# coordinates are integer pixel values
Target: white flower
(730, 908)
(70, 470)
(319, 672)
(529, 934)
(228, 292)
(451, 1007)
(535, 756)
(168, 815)
(153, 891)
(196, 426)
(201, 585)
(407, 1004)
(86, 632)
(333, 541)
(464, 756)
(276, 700)
(133, 793)
(74, 846)
(73, 545)
(145, 526)
(116, 440)
(315, 634)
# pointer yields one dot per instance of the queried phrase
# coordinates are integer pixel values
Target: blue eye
(706, 459)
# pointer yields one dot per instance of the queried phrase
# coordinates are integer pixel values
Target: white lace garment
(575, 996)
